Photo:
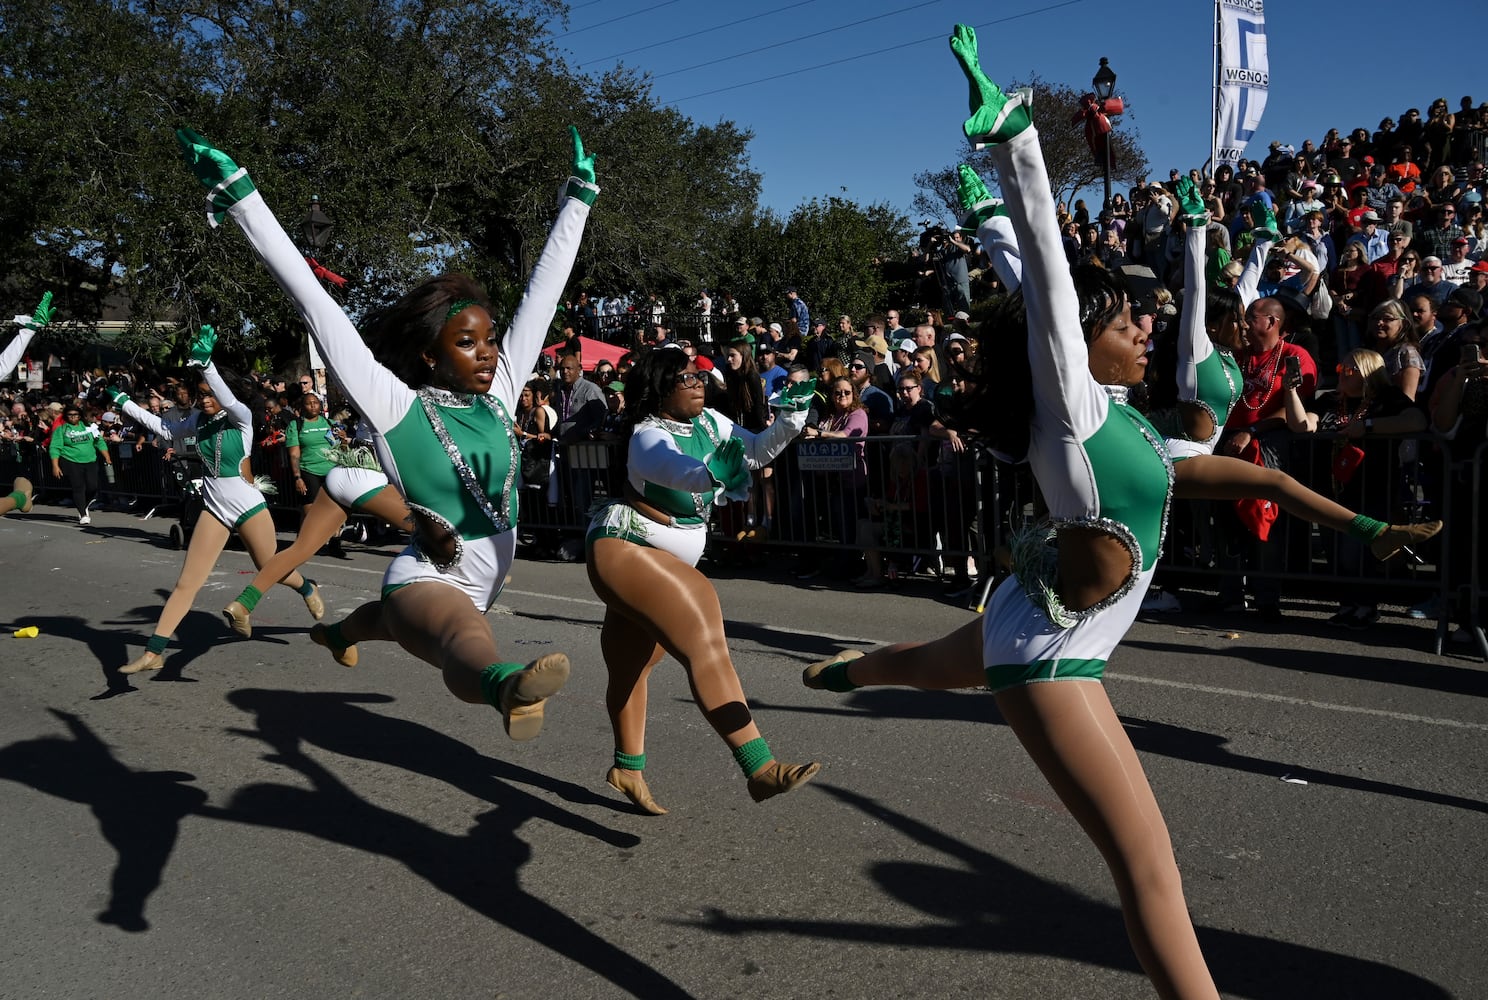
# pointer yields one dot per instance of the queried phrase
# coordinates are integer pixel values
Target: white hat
(955, 336)
(776, 327)
(906, 345)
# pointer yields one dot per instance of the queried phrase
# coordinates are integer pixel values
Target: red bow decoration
(325, 274)
(1096, 116)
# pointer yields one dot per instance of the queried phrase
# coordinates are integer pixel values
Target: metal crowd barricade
(1470, 587)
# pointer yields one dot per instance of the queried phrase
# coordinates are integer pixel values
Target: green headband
(460, 306)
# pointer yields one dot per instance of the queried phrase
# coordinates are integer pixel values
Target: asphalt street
(256, 821)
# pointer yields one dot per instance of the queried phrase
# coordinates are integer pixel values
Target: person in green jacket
(308, 439)
(75, 449)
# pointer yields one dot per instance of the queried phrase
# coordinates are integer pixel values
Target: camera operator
(945, 255)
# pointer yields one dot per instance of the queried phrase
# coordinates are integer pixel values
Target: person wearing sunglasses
(75, 449)
(682, 460)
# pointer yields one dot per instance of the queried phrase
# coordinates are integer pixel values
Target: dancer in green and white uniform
(643, 552)
(438, 384)
(223, 429)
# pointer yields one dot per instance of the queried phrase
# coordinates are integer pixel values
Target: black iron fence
(915, 506)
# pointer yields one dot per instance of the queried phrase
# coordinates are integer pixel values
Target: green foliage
(433, 131)
(1072, 167)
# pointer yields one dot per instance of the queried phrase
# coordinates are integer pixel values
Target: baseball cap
(1370, 216)
(963, 315)
(1460, 241)
(741, 321)
(878, 344)
(1481, 267)
(110, 417)
(766, 347)
(756, 321)
(777, 328)
(1467, 298)
(906, 345)
(955, 336)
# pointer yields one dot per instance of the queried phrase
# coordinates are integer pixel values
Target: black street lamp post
(1104, 83)
(316, 228)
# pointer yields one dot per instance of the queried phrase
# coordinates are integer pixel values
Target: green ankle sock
(630, 761)
(753, 755)
(250, 597)
(306, 589)
(834, 678)
(157, 644)
(1366, 529)
(335, 638)
(492, 677)
(19, 498)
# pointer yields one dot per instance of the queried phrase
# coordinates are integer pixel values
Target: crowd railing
(927, 509)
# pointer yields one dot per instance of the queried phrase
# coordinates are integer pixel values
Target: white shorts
(621, 520)
(1020, 645)
(480, 575)
(350, 486)
(231, 499)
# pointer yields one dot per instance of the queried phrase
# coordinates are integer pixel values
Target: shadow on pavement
(139, 812)
(478, 868)
(982, 903)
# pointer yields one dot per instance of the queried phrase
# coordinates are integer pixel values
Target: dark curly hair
(651, 380)
(999, 406)
(399, 334)
(1221, 304)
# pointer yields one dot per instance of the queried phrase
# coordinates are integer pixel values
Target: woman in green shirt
(75, 449)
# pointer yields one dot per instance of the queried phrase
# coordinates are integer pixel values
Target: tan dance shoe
(1397, 536)
(145, 661)
(776, 778)
(633, 785)
(345, 655)
(238, 619)
(313, 602)
(23, 485)
(812, 675)
(521, 695)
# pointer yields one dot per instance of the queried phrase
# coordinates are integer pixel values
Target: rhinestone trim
(499, 514)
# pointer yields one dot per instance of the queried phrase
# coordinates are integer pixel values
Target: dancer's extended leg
(206, 545)
(1071, 731)
(19, 497)
(681, 609)
(945, 664)
(630, 651)
(320, 522)
(440, 626)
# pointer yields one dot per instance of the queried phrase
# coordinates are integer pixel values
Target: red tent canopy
(593, 352)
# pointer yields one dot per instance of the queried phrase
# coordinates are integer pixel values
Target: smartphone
(1471, 354)
(1293, 367)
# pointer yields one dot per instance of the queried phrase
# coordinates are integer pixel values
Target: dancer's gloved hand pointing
(201, 347)
(729, 469)
(581, 185)
(225, 181)
(995, 117)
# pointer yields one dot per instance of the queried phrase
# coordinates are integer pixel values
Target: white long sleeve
(14, 351)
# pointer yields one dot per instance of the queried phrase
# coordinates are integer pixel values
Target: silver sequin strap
(500, 517)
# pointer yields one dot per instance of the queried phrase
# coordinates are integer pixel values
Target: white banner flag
(1244, 76)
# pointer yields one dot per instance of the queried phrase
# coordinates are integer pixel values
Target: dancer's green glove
(1263, 221)
(201, 347)
(995, 117)
(43, 314)
(795, 397)
(1190, 205)
(225, 181)
(729, 469)
(581, 185)
(977, 203)
(119, 396)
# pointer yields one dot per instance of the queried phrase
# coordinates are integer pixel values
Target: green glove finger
(118, 396)
(977, 203)
(226, 182)
(728, 468)
(44, 312)
(995, 118)
(202, 346)
(795, 396)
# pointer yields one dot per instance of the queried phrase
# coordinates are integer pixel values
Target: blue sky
(894, 104)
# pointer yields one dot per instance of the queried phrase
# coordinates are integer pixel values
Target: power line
(704, 31)
(798, 38)
(864, 55)
(622, 17)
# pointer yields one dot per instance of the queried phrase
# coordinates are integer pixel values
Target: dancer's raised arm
(14, 350)
(375, 392)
